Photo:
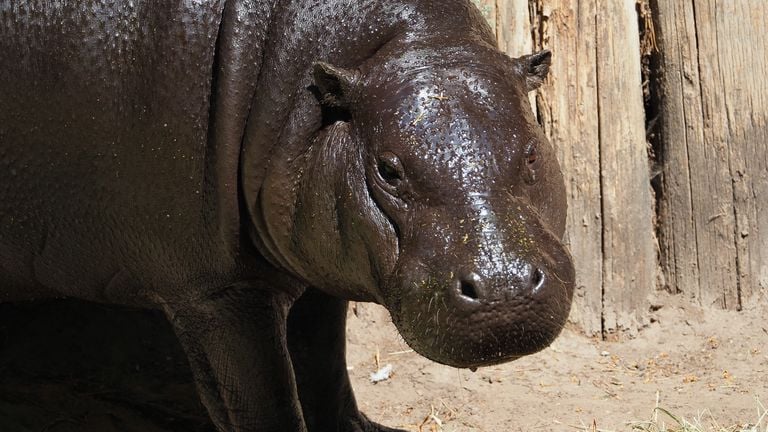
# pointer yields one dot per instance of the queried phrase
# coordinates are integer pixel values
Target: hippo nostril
(469, 286)
(468, 290)
(537, 279)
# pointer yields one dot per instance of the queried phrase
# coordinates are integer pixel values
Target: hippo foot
(362, 424)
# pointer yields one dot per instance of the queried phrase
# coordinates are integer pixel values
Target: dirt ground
(105, 369)
(703, 364)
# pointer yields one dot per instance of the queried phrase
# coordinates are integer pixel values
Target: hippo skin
(250, 166)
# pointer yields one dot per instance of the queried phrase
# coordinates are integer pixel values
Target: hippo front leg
(236, 344)
(317, 341)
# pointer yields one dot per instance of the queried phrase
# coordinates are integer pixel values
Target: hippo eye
(532, 162)
(390, 169)
(532, 157)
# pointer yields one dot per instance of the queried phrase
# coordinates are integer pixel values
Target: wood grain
(712, 83)
(629, 255)
(714, 104)
(592, 108)
(513, 27)
(568, 110)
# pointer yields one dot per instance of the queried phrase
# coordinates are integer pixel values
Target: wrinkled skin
(246, 170)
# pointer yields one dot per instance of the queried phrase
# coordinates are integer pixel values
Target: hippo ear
(336, 85)
(534, 68)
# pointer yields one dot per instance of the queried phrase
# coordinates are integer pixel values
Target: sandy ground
(700, 364)
(107, 370)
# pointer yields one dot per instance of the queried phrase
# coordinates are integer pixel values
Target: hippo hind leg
(317, 344)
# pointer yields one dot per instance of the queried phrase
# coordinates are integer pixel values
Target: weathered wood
(592, 108)
(714, 141)
(568, 110)
(629, 256)
(572, 127)
(713, 117)
(681, 130)
(513, 27)
(513, 32)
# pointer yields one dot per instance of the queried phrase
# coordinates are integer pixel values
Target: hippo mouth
(474, 312)
(446, 322)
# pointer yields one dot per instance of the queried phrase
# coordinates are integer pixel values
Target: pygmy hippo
(250, 166)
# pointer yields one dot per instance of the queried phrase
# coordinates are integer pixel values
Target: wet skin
(248, 171)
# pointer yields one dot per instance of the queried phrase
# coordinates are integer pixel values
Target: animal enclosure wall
(658, 110)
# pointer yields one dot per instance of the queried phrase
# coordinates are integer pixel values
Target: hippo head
(432, 190)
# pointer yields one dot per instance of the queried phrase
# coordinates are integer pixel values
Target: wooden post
(629, 261)
(591, 107)
(513, 28)
(568, 110)
(713, 146)
(714, 98)
(513, 32)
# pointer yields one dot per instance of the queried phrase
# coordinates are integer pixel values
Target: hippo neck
(286, 119)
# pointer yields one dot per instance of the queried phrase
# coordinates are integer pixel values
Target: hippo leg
(316, 340)
(235, 341)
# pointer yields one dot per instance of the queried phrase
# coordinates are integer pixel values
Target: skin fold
(249, 167)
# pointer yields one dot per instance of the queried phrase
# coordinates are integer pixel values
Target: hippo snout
(474, 300)
(470, 289)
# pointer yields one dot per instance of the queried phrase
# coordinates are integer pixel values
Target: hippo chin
(249, 167)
